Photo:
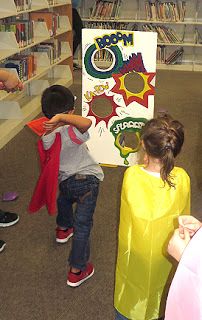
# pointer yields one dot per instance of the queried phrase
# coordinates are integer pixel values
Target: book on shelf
(174, 57)
(23, 29)
(161, 54)
(50, 18)
(106, 25)
(25, 65)
(165, 34)
(103, 55)
(52, 48)
(104, 9)
(198, 36)
(165, 11)
(22, 5)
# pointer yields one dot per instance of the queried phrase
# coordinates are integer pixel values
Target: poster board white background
(128, 49)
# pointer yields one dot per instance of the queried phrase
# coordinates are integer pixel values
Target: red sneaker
(63, 236)
(74, 280)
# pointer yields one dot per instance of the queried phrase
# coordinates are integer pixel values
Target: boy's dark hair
(56, 99)
(163, 138)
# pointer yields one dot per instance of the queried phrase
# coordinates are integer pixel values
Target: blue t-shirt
(76, 3)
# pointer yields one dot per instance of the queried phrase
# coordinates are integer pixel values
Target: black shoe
(8, 219)
(2, 245)
(76, 66)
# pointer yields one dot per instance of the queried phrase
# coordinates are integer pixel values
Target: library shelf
(49, 69)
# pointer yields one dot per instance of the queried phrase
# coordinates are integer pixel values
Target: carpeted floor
(33, 266)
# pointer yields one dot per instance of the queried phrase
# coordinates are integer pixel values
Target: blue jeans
(82, 190)
(119, 316)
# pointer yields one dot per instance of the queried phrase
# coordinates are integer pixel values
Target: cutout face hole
(129, 139)
(134, 82)
(102, 107)
(103, 55)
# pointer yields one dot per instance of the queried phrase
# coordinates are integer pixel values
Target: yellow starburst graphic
(128, 96)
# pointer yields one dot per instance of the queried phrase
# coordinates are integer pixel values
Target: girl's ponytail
(167, 165)
(163, 138)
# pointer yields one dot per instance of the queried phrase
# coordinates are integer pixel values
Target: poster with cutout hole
(118, 82)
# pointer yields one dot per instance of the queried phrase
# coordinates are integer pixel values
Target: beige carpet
(33, 267)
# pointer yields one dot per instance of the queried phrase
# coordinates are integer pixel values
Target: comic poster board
(118, 82)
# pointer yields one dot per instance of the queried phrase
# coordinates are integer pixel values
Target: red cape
(46, 188)
(37, 125)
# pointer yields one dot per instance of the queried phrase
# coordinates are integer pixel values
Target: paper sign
(119, 69)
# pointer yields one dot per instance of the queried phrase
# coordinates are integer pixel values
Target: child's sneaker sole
(2, 245)
(78, 283)
(64, 240)
(63, 236)
(72, 284)
(8, 219)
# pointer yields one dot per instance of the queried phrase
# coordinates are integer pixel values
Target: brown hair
(163, 138)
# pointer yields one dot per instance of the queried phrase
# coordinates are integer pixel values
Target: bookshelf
(177, 23)
(41, 58)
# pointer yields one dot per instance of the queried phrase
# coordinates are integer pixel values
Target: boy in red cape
(65, 156)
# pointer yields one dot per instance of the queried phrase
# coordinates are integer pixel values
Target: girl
(153, 196)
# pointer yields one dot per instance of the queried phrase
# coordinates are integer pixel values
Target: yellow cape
(148, 216)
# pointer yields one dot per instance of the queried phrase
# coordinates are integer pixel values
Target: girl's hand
(189, 223)
(177, 245)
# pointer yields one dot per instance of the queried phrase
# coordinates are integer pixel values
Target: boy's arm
(81, 123)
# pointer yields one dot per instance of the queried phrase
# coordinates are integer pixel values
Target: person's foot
(76, 66)
(2, 245)
(8, 219)
(63, 236)
(75, 279)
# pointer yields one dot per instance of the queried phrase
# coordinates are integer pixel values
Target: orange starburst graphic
(128, 96)
(106, 118)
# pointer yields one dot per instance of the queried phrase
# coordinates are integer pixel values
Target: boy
(79, 176)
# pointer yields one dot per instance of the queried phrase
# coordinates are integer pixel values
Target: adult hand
(177, 245)
(189, 223)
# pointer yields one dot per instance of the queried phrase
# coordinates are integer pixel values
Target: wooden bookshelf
(182, 18)
(47, 72)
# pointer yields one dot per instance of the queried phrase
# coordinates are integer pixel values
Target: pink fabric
(73, 136)
(185, 296)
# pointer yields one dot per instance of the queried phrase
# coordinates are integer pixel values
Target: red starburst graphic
(128, 96)
(106, 118)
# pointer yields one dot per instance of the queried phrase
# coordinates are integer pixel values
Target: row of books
(23, 5)
(165, 34)
(166, 11)
(103, 9)
(174, 57)
(103, 55)
(52, 48)
(107, 25)
(53, 2)
(198, 36)
(24, 64)
(52, 20)
(23, 30)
